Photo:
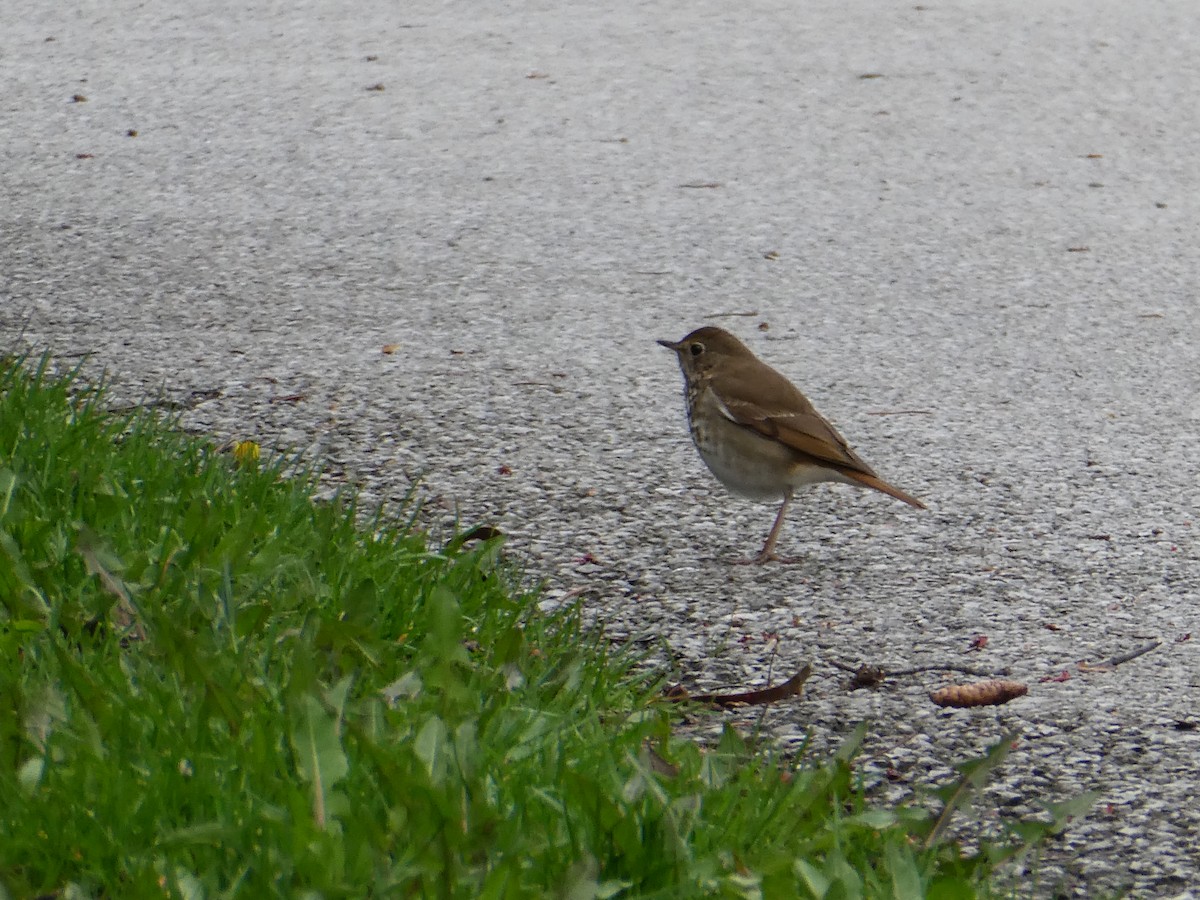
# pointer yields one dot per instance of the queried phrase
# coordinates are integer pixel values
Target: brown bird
(757, 433)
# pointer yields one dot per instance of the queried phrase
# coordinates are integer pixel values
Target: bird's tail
(879, 484)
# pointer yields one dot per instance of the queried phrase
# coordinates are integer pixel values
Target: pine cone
(982, 693)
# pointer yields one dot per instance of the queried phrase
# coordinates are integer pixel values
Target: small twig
(571, 594)
(869, 676)
(79, 354)
(901, 412)
(845, 667)
(748, 314)
(951, 667)
(1134, 654)
(917, 670)
(1120, 658)
(770, 672)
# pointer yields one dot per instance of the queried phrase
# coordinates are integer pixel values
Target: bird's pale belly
(754, 466)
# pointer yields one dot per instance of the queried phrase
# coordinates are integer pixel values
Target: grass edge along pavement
(212, 685)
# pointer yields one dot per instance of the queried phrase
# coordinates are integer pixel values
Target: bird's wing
(806, 433)
(793, 421)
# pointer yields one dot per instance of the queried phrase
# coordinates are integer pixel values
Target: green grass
(211, 685)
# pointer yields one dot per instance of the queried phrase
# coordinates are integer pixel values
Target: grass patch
(211, 686)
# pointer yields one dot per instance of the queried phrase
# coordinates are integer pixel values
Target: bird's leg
(767, 554)
(768, 551)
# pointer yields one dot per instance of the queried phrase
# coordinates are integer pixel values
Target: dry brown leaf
(790, 688)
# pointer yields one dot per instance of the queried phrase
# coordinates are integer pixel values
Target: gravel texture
(967, 231)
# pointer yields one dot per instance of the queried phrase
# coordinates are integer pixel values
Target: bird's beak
(671, 345)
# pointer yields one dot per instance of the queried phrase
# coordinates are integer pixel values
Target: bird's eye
(696, 348)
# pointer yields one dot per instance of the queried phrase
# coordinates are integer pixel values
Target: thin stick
(1134, 654)
(966, 670)
(916, 670)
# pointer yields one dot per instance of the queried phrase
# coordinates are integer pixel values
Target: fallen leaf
(790, 688)
(482, 533)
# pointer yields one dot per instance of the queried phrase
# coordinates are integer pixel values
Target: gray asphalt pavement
(967, 231)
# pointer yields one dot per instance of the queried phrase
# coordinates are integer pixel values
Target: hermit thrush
(757, 433)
